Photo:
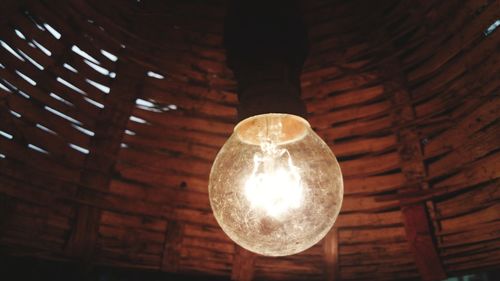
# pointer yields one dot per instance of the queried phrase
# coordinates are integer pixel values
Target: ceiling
(111, 113)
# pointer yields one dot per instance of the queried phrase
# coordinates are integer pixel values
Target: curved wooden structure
(111, 113)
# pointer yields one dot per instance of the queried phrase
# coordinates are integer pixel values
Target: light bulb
(275, 187)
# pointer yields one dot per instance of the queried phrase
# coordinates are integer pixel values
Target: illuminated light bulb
(275, 187)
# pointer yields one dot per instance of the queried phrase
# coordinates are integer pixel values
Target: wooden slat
(453, 46)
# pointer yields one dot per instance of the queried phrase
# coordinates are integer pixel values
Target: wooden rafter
(172, 245)
(331, 254)
(415, 216)
(97, 171)
(243, 264)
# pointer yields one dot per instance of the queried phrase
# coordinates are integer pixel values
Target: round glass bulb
(275, 187)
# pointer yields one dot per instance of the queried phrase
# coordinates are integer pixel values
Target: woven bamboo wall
(111, 113)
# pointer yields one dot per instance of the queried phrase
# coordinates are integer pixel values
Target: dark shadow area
(32, 269)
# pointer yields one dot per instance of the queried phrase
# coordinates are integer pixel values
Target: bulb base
(276, 128)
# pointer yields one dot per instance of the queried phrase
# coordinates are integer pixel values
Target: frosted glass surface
(275, 187)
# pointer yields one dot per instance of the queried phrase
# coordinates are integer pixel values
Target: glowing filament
(275, 185)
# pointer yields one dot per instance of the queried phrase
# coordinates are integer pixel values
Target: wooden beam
(172, 246)
(331, 255)
(415, 217)
(419, 235)
(98, 167)
(418, 226)
(243, 264)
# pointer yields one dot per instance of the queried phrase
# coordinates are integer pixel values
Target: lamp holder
(266, 44)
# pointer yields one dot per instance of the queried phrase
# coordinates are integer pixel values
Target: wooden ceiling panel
(111, 113)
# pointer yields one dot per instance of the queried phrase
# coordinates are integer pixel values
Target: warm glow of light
(275, 187)
(272, 187)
